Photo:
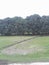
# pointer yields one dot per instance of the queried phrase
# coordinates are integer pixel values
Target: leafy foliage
(31, 25)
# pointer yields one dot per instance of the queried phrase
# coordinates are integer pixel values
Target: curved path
(36, 63)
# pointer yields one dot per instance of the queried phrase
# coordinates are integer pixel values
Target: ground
(24, 48)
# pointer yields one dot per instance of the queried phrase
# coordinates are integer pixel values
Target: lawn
(39, 46)
(8, 40)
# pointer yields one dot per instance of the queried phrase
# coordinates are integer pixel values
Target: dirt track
(10, 50)
(36, 63)
(18, 42)
(4, 62)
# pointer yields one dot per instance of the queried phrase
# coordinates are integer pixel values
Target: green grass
(41, 42)
(8, 40)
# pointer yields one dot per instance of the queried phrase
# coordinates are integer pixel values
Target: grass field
(36, 49)
(7, 40)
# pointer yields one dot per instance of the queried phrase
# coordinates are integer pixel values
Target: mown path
(18, 42)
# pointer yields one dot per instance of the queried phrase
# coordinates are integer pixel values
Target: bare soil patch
(23, 50)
